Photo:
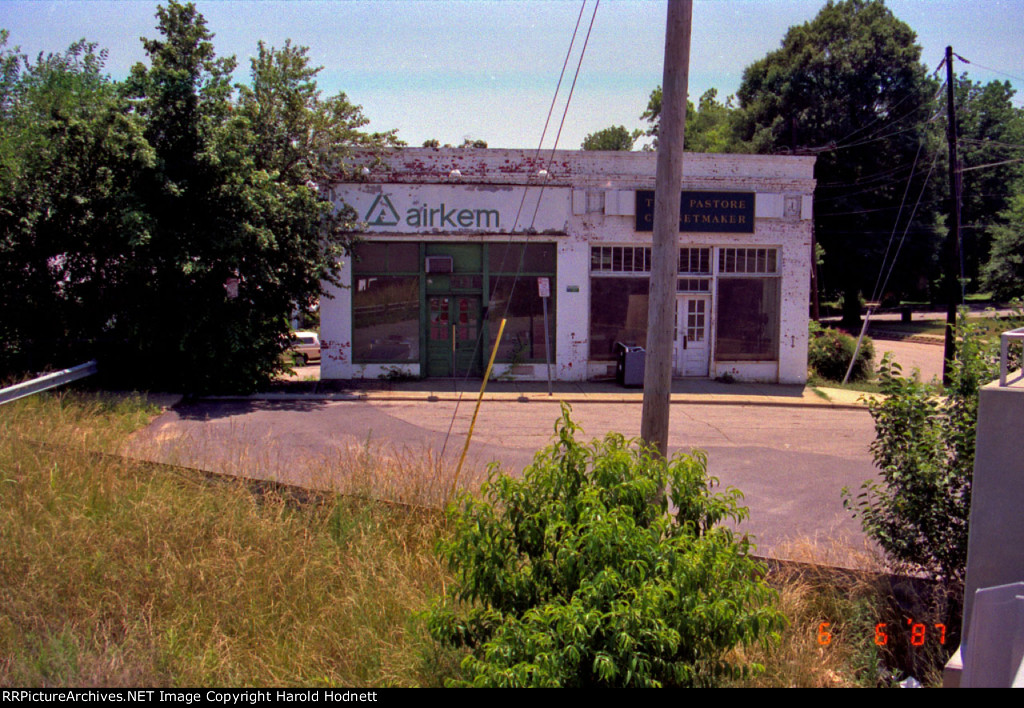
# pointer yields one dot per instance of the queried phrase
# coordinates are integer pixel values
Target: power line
(989, 68)
(991, 164)
(546, 174)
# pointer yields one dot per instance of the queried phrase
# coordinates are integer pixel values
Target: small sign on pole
(544, 290)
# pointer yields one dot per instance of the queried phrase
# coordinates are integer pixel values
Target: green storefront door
(453, 318)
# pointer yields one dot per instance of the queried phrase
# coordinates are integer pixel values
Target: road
(790, 462)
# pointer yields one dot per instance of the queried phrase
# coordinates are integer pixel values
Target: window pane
(618, 313)
(535, 257)
(523, 340)
(748, 319)
(370, 258)
(386, 319)
(403, 258)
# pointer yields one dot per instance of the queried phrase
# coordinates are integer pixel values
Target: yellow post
(479, 400)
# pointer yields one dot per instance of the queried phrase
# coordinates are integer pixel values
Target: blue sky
(451, 70)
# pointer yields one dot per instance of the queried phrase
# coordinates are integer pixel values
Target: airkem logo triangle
(382, 212)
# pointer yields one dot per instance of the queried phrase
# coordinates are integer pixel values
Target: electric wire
(989, 68)
(910, 221)
(526, 187)
(991, 164)
(895, 226)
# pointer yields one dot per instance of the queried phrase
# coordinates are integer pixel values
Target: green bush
(829, 353)
(924, 450)
(579, 575)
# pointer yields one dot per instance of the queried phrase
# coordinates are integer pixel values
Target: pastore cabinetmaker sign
(715, 212)
(396, 208)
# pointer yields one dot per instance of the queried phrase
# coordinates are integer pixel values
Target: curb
(606, 399)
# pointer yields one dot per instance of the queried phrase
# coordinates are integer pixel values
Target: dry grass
(833, 612)
(115, 572)
(120, 572)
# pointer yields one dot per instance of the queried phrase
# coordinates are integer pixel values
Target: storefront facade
(456, 239)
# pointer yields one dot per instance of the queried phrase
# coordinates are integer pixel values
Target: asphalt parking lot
(790, 450)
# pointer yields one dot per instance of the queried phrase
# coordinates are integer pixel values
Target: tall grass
(115, 572)
(833, 614)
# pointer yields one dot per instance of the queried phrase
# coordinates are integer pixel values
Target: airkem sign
(383, 213)
(415, 208)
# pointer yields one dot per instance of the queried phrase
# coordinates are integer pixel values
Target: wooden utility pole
(661, 310)
(952, 246)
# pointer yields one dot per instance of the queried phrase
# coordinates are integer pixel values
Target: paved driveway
(790, 461)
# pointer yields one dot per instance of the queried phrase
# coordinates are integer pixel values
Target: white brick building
(456, 239)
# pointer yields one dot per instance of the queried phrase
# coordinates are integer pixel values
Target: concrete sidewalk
(685, 391)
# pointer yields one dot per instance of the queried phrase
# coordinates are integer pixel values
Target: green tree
(297, 141)
(467, 142)
(234, 197)
(990, 135)
(924, 450)
(615, 137)
(710, 126)
(1004, 272)
(70, 154)
(578, 574)
(849, 87)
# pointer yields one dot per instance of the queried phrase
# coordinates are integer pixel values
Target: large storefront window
(514, 269)
(386, 319)
(518, 301)
(618, 313)
(748, 319)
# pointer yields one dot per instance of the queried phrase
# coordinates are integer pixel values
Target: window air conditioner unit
(439, 264)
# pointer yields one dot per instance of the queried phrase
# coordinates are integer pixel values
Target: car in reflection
(305, 348)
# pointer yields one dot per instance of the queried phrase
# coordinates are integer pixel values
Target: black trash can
(629, 366)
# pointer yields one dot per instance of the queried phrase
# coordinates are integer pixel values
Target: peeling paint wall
(580, 199)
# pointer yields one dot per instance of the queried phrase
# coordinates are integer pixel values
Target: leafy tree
(1004, 272)
(70, 154)
(924, 450)
(849, 87)
(579, 575)
(467, 142)
(234, 197)
(990, 131)
(298, 141)
(615, 137)
(128, 211)
(710, 127)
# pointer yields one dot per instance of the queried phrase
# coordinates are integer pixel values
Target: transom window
(637, 259)
(693, 285)
(620, 259)
(748, 260)
(695, 260)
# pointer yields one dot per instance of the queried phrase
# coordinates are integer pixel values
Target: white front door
(691, 346)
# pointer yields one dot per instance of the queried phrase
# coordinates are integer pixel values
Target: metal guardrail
(1004, 350)
(42, 383)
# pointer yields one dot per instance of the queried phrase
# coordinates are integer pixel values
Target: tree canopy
(710, 126)
(990, 135)
(172, 222)
(615, 137)
(849, 87)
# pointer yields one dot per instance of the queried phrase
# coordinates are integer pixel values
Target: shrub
(924, 450)
(579, 575)
(829, 353)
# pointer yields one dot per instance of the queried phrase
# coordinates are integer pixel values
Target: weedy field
(117, 572)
